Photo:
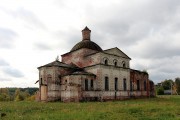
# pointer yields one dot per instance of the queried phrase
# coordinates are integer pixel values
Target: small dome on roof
(86, 44)
(86, 41)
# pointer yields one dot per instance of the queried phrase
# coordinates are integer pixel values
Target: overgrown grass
(160, 108)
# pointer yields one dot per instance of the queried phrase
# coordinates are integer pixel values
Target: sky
(35, 32)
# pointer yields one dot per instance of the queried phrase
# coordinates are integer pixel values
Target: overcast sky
(34, 32)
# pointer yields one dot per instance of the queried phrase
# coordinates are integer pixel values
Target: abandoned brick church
(88, 73)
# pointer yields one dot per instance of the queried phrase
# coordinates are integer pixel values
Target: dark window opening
(116, 84)
(41, 81)
(106, 62)
(145, 85)
(138, 85)
(131, 86)
(124, 84)
(106, 84)
(86, 84)
(92, 85)
(115, 63)
(124, 65)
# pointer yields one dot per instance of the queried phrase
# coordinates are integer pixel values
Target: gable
(116, 51)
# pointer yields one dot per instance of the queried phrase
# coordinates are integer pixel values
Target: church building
(89, 73)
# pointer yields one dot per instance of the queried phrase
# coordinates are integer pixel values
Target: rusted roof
(86, 44)
(58, 64)
(86, 28)
(133, 70)
(82, 73)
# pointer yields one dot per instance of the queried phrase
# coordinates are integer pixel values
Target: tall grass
(160, 108)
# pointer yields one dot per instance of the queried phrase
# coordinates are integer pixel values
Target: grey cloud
(128, 26)
(9, 70)
(42, 46)
(7, 37)
(3, 63)
(13, 72)
(161, 68)
(5, 79)
(157, 48)
(28, 16)
(147, 30)
(68, 38)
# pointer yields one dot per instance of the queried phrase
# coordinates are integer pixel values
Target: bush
(31, 98)
(160, 91)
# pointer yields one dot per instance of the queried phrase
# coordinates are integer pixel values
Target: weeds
(163, 108)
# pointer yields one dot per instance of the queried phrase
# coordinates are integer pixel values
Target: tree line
(168, 84)
(17, 94)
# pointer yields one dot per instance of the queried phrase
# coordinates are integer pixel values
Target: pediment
(116, 51)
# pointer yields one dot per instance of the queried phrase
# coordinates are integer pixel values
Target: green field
(160, 108)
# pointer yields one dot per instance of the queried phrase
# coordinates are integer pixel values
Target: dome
(86, 44)
(86, 41)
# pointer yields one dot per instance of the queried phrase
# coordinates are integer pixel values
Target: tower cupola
(86, 33)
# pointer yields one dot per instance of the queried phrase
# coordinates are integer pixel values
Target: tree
(4, 94)
(160, 90)
(21, 95)
(167, 84)
(177, 84)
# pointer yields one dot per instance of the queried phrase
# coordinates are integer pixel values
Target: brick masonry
(81, 76)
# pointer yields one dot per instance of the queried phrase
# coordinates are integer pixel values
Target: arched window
(144, 85)
(124, 84)
(123, 64)
(49, 78)
(92, 85)
(131, 85)
(106, 83)
(86, 84)
(116, 84)
(115, 62)
(105, 61)
(138, 85)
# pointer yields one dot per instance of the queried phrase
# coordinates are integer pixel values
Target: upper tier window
(115, 62)
(105, 61)
(123, 64)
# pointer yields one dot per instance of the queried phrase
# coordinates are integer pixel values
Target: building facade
(88, 73)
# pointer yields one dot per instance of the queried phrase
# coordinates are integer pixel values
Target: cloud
(30, 18)
(27, 17)
(134, 22)
(7, 37)
(67, 38)
(147, 31)
(5, 79)
(9, 71)
(42, 46)
(13, 72)
(3, 63)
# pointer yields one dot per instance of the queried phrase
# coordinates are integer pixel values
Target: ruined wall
(51, 78)
(72, 87)
(111, 71)
(79, 58)
(112, 59)
(144, 85)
